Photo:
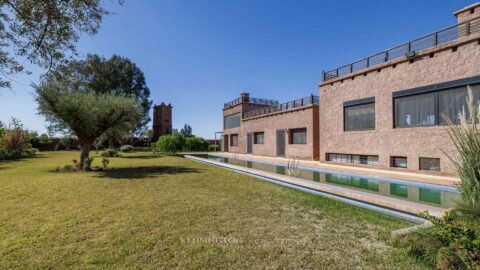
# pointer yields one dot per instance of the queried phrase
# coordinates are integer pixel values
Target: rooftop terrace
(408, 49)
(298, 103)
(247, 99)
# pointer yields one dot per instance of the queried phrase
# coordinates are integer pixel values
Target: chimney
(468, 12)
(245, 97)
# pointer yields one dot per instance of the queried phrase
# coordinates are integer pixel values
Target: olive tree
(86, 113)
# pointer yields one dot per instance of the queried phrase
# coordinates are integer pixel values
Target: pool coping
(387, 205)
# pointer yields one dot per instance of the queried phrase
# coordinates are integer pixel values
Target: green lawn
(169, 212)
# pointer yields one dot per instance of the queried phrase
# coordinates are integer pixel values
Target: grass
(169, 212)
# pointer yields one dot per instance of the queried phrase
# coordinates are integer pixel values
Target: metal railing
(250, 100)
(440, 37)
(284, 106)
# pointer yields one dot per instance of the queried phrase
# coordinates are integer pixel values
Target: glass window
(454, 101)
(355, 159)
(259, 137)
(430, 164)
(234, 140)
(415, 111)
(359, 117)
(398, 162)
(298, 136)
(232, 121)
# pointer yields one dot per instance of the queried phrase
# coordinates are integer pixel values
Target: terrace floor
(157, 212)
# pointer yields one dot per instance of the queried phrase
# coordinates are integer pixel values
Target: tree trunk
(111, 143)
(84, 154)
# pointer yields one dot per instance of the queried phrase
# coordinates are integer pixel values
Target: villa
(385, 111)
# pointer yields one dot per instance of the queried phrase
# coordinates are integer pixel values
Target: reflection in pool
(411, 191)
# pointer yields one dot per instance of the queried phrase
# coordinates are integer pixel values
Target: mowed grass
(169, 212)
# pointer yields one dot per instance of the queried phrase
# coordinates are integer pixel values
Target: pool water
(436, 195)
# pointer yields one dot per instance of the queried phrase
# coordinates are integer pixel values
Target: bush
(110, 153)
(105, 162)
(213, 148)
(451, 243)
(126, 148)
(14, 142)
(196, 144)
(467, 141)
(142, 149)
(171, 144)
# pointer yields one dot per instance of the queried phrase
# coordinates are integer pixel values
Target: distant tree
(150, 133)
(15, 141)
(84, 112)
(38, 140)
(196, 144)
(44, 32)
(117, 75)
(186, 130)
(68, 141)
(171, 143)
(2, 130)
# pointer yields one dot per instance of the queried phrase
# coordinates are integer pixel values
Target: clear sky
(198, 54)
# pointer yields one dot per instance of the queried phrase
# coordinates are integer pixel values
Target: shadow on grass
(142, 157)
(146, 172)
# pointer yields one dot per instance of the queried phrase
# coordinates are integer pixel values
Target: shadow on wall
(146, 172)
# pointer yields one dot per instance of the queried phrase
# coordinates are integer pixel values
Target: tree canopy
(86, 113)
(117, 75)
(44, 32)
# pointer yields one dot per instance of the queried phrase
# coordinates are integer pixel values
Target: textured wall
(306, 117)
(385, 141)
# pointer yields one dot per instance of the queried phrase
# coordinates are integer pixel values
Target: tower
(162, 120)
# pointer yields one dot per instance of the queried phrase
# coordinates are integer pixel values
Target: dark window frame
(231, 140)
(355, 103)
(362, 159)
(431, 89)
(230, 115)
(392, 162)
(424, 169)
(291, 131)
(255, 139)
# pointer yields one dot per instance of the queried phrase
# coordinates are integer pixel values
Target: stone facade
(162, 120)
(287, 120)
(438, 66)
(446, 63)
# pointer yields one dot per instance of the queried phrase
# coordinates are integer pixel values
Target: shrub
(171, 144)
(68, 141)
(213, 148)
(196, 144)
(105, 162)
(66, 168)
(467, 141)
(126, 148)
(451, 243)
(14, 142)
(110, 153)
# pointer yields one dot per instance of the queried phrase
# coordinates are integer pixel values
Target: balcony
(303, 102)
(407, 49)
(260, 101)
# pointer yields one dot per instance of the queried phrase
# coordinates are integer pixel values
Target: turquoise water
(435, 195)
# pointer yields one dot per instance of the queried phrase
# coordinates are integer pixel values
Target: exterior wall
(468, 13)
(306, 117)
(385, 141)
(162, 120)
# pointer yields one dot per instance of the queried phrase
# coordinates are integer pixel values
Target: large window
(415, 111)
(259, 137)
(355, 159)
(298, 136)
(232, 121)
(433, 108)
(359, 117)
(234, 140)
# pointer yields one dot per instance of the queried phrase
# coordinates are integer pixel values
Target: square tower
(162, 120)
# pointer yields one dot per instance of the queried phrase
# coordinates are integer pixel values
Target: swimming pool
(409, 191)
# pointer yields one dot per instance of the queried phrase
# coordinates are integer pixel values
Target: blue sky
(198, 54)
